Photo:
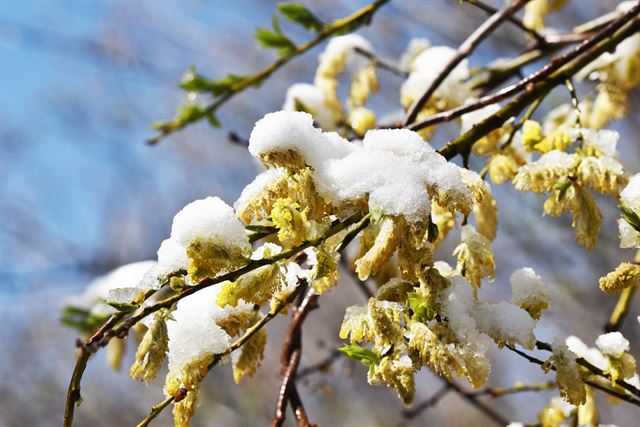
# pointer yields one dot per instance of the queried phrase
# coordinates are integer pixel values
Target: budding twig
(109, 331)
(329, 30)
(380, 63)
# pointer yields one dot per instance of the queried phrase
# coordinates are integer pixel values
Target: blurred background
(81, 193)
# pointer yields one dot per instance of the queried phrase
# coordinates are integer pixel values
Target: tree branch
(337, 27)
(595, 370)
(379, 63)
(482, 407)
(290, 359)
(428, 403)
(108, 331)
(536, 84)
(463, 51)
(539, 38)
(156, 409)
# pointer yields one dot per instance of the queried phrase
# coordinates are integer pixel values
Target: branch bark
(463, 51)
(537, 84)
(289, 361)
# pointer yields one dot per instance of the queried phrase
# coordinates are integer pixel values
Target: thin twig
(539, 38)
(250, 332)
(290, 359)
(590, 47)
(380, 63)
(463, 51)
(321, 366)
(329, 30)
(155, 411)
(482, 407)
(428, 403)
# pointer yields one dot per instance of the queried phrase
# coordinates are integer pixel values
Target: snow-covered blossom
(415, 47)
(475, 256)
(256, 198)
(214, 239)
(124, 278)
(612, 344)
(193, 332)
(389, 162)
(195, 337)
(590, 354)
(630, 201)
(506, 323)
(208, 219)
(543, 174)
(310, 98)
(568, 376)
(344, 47)
(426, 67)
(529, 292)
(340, 55)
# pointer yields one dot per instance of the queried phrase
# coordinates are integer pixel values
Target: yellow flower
(289, 221)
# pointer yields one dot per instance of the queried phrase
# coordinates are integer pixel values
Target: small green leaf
(194, 82)
(420, 307)
(562, 188)
(275, 23)
(363, 355)
(190, 113)
(631, 217)
(274, 40)
(213, 120)
(299, 14)
(376, 215)
(81, 319)
(122, 306)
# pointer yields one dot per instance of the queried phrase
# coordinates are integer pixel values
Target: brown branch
(545, 76)
(463, 51)
(428, 403)
(482, 407)
(539, 38)
(537, 86)
(289, 361)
